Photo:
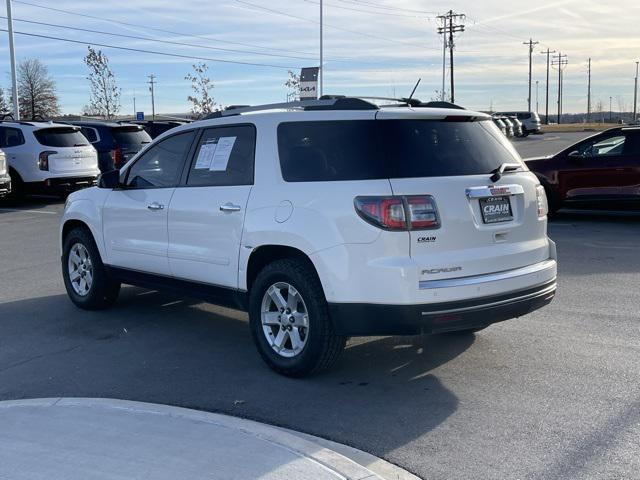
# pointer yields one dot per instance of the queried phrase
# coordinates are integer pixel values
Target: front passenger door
(135, 216)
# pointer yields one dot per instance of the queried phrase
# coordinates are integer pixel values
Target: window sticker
(221, 154)
(205, 156)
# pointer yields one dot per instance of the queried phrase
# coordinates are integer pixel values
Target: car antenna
(414, 90)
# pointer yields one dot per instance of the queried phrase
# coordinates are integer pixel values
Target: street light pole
(610, 110)
(12, 54)
(537, 85)
(321, 50)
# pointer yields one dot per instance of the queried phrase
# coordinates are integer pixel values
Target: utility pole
(635, 96)
(589, 95)
(537, 105)
(444, 66)
(610, 110)
(451, 23)
(560, 62)
(134, 104)
(12, 54)
(152, 82)
(321, 50)
(546, 115)
(531, 44)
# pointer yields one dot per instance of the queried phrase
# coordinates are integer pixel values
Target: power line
(387, 7)
(371, 12)
(253, 6)
(151, 39)
(161, 30)
(152, 52)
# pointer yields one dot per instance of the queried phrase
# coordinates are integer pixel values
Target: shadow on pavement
(157, 348)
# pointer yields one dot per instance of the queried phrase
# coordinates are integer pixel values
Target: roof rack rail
(326, 102)
(19, 122)
(440, 104)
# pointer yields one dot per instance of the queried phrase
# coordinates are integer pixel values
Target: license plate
(496, 209)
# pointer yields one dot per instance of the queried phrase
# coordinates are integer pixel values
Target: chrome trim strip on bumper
(550, 290)
(491, 277)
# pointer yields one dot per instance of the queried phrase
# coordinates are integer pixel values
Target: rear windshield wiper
(504, 168)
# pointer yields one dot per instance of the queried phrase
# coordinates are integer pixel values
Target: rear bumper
(61, 184)
(360, 319)
(5, 185)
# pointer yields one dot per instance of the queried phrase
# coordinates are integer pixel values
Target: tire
(304, 345)
(17, 186)
(552, 201)
(525, 133)
(101, 290)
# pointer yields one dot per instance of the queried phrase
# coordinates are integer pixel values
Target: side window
(604, 147)
(160, 166)
(10, 137)
(90, 133)
(224, 157)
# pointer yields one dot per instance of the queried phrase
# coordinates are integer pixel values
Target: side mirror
(575, 154)
(110, 179)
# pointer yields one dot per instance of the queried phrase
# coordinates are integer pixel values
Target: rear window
(130, 135)
(366, 149)
(60, 137)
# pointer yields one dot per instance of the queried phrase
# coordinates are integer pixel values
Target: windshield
(365, 149)
(61, 137)
(130, 135)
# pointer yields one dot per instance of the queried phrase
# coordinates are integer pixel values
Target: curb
(345, 461)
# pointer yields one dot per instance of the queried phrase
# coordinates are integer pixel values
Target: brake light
(116, 156)
(399, 213)
(43, 159)
(541, 199)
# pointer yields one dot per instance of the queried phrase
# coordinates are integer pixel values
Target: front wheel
(290, 322)
(85, 278)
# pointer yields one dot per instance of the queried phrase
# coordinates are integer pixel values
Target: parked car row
(60, 157)
(517, 124)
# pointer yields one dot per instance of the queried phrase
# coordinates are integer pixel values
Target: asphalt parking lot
(552, 395)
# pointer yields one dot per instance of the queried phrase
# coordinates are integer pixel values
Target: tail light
(541, 198)
(43, 159)
(399, 213)
(116, 156)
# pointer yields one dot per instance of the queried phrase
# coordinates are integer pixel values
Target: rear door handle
(155, 206)
(230, 207)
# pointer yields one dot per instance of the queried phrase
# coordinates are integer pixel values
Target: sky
(371, 47)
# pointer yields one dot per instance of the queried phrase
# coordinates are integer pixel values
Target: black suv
(115, 142)
(156, 128)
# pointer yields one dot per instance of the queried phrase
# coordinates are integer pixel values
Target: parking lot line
(27, 211)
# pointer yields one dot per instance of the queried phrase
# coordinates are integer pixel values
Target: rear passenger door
(206, 214)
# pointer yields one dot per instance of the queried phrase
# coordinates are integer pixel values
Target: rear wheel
(290, 321)
(17, 186)
(85, 278)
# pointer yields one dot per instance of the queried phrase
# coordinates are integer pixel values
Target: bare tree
(36, 90)
(293, 86)
(202, 101)
(4, 105)
(622, 104)
(105, 94)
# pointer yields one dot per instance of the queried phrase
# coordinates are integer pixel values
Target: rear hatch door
(485, 225)
(130, 139)
(67, 150)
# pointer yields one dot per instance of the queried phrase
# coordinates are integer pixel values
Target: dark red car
(602, 171)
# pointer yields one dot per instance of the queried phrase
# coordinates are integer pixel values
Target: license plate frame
(496, 215)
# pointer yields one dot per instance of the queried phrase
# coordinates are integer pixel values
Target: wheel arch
(265, 254)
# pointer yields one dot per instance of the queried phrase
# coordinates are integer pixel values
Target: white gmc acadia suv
(323, 219)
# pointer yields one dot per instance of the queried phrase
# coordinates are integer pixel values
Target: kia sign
(309, 83)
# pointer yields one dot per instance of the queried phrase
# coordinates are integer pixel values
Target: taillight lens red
(43, 159)
(416, 212)
(116, 156)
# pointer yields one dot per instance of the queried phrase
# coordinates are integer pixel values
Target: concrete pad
(113, 439)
